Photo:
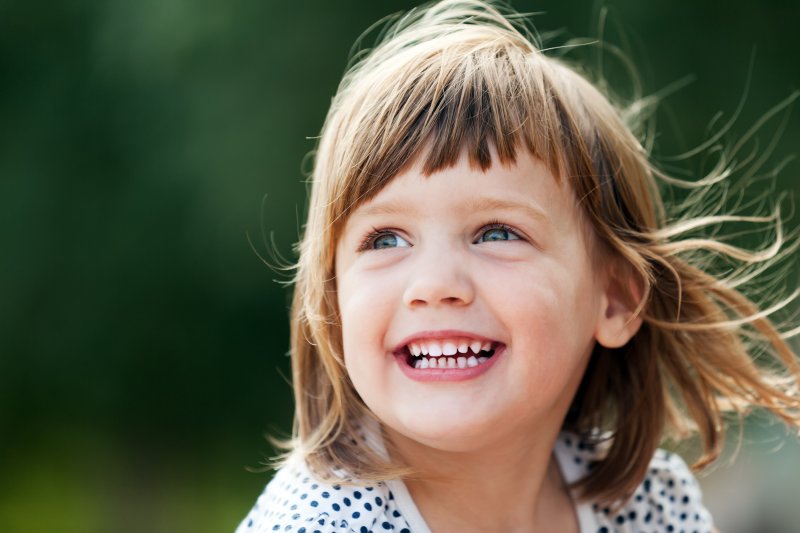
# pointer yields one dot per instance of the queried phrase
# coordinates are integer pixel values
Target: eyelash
(369, 239)
(496, 224)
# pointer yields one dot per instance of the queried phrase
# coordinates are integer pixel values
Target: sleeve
(669, 498)
(290, 502)
(296, 501)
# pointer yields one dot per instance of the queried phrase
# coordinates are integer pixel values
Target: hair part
(461, 76)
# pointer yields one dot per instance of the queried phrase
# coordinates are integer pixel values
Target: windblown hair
(467, 76)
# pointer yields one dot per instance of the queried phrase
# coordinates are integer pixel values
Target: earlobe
(617, 321)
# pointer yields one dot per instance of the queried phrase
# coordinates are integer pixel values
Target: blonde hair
(462, 75)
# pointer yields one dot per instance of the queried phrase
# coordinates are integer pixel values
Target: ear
(617, 323)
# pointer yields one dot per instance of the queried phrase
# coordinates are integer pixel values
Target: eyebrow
(474, 205)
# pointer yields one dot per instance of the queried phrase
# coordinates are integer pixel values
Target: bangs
(483, 104)
(429, 96)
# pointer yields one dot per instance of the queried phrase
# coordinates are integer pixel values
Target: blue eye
(497, 232)
(380, 240)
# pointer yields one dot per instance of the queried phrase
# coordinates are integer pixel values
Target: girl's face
(465, 260)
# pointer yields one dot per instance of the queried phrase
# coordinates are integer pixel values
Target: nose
(439, 278)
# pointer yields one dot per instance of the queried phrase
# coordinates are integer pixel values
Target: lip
(440, 334)
(445, 374)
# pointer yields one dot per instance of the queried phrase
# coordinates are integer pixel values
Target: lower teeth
(449, 362)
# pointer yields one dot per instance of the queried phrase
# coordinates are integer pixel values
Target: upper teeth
(436, 348)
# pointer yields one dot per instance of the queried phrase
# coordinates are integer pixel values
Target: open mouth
(449, 353)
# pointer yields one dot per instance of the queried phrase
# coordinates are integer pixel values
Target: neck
(503, 486)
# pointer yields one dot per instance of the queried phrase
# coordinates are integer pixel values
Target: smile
(449, 353)
(462, 355)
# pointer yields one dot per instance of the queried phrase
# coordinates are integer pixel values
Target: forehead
(358, 188)
(525, 187)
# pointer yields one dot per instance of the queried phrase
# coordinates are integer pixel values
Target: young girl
(495, 321)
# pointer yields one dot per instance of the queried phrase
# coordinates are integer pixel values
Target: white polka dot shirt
(668, 500)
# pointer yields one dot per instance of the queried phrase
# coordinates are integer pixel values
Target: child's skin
(501, 256)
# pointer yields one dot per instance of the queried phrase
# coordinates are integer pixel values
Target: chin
(446, 433)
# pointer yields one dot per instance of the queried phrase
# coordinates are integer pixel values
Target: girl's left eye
(497, 232)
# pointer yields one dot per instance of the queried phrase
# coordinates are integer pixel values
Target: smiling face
(434, 269)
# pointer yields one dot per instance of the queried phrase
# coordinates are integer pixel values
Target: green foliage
(142, 340)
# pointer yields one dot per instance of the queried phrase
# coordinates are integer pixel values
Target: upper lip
(441, 334)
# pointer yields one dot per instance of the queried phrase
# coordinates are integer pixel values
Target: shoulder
(668, 498)
(295, 500)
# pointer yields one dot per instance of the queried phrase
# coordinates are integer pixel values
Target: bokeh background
(151, 154)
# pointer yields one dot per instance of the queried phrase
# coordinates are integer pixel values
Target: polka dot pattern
(667, 500)
(295, 501)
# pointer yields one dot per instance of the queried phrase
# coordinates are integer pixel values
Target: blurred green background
(151, 150)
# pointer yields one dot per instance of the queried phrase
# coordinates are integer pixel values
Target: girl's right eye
(382, 239)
